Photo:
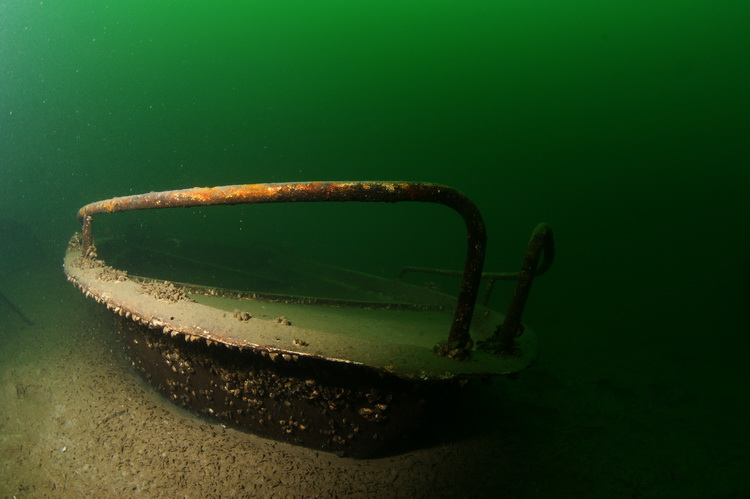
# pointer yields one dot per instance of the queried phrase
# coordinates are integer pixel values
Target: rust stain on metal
(459, 342)
(541, 242)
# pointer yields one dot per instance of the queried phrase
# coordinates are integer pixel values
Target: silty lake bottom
(612, 408)
(624, 126)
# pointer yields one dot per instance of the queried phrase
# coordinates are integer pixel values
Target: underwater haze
(623, 124)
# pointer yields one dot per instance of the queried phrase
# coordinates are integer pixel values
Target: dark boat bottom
(348, 409)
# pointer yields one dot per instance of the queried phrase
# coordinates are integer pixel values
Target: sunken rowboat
(345, 369)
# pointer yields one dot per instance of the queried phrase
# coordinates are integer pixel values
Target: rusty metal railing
(459, 340)
(542, 235)
(489, 277)
(541, 245)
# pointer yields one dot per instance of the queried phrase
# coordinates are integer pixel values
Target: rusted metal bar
(87, 222)
(541, 241)
(504, 276)
(491, 277)
(15, 309)
(459, 340)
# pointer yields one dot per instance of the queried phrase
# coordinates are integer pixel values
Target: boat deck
(394, 336)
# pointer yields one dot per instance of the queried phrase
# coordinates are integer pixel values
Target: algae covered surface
(622, 125)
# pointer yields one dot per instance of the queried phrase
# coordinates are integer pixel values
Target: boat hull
(336, 407)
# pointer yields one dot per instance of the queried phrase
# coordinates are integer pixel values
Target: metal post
(541, 240)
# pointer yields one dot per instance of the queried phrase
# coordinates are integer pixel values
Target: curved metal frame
(459, 340)
(541, 242)
(541, 245)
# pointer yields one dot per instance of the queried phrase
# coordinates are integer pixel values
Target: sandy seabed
(75, 421)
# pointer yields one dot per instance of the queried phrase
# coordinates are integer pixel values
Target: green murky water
(624, 125)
